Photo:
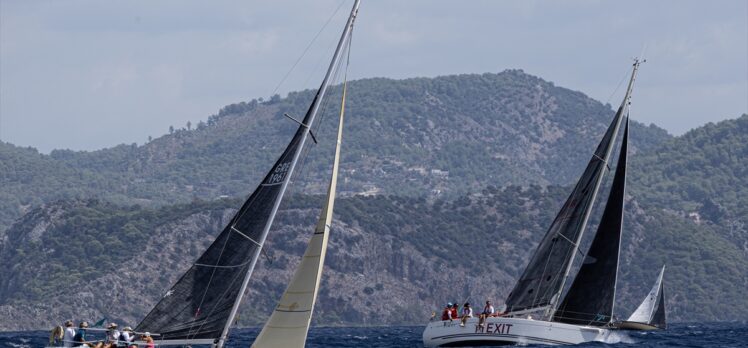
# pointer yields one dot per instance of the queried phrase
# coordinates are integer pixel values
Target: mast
(308, 122)
(622, 109)
(288, 325)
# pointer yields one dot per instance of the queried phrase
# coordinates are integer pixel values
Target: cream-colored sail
(645, 311)
(289, 323)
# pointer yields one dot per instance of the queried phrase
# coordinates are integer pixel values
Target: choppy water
(726, 335)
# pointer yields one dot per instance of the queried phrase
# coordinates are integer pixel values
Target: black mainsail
(591, 297)
(541, 284)
(200, 307)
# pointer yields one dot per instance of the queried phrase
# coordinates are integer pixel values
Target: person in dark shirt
(80, 336)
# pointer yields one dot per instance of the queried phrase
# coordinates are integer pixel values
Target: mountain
(447, 185)
(432, 136)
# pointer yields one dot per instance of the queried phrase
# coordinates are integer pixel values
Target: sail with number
(200, 307)
(591, 297)
(540, 285)
(652, 310)
(288, 325)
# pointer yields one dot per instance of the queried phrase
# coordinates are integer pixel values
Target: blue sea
(677, 335)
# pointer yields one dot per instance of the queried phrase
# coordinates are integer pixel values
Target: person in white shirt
(488, 311)
(467, 312)
(69, 333)
(126, 335)
(112, 335)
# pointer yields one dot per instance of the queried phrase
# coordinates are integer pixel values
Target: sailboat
(536, 311)
(201, 306)
(650, 315)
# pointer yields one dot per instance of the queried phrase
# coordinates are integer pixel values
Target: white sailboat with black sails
(201, 306)
(537, 313)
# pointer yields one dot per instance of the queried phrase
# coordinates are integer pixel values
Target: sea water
(726, 335)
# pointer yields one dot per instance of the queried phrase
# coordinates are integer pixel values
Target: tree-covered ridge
(703, 173)
(420, 136)
(391, 260)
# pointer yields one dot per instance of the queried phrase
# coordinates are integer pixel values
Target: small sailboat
(201, 306)
(537, 313)
(650, 315)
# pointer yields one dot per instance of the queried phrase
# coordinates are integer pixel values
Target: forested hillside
(423, 136)
(391, 259)
(447, 184)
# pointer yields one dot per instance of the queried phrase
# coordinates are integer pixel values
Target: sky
(85, 75)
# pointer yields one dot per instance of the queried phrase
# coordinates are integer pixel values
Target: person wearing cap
(446, 314)
(148, 340)
(80, 337)
(126, 336)
(112, 334)
(467, 312)
(69, 334)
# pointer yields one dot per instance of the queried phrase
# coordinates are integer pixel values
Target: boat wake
(618, 337)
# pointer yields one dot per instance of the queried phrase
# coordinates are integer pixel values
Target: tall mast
(623, 109)
(308, 122)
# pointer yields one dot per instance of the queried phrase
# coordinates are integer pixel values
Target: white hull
(500, 331)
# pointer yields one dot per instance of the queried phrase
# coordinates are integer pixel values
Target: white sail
(643, 314)
(289, 323)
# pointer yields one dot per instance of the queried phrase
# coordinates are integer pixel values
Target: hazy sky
(93, 74)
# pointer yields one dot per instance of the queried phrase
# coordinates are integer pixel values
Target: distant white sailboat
(537, 313)
(650, 315)
(288, 325)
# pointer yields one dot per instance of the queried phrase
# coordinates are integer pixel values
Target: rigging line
(306, 49)
(617, 87)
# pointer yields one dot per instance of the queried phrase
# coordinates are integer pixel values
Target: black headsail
(542, 281)
(591, 296)
(201, 305)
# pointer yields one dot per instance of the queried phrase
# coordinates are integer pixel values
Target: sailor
(488, 311)
(56, 336)
(148, 340)
(454, 311)
(80, 336)
(467, 312)
(447, 313)
(112, 334)
(69, 333)
(125, 337)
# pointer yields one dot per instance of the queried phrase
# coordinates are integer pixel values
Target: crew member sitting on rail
(453, 312)
(467, 312)
(446, 313)
(488, 311)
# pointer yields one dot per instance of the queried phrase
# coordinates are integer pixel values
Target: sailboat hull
(636, 326)
(498, 331)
